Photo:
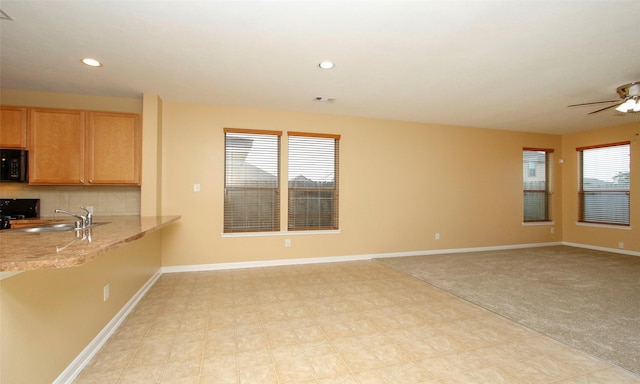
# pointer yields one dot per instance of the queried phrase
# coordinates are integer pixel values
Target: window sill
(534, 223)
(623, 227)
(281, 233)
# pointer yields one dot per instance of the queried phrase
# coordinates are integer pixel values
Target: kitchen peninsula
(20, 251)
(64, 293)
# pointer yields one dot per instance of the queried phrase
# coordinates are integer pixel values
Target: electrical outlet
(105, 293)
(621, 245)
(553, 230)
(287, 242)
(196, 187)
(437, 235)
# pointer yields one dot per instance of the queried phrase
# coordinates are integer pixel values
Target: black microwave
(14, 165)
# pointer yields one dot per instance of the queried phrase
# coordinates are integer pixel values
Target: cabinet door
(114, 148)
(57, 140)
(13, 127)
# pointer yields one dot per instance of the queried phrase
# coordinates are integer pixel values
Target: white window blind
(605, 183)
(313, 181)
(536, 184)
(251, 187)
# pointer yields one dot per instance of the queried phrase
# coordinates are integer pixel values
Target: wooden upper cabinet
(13, 127)
(114, 143)
(56, 151)
(70, 147)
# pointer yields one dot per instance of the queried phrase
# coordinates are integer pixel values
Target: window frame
(582, 192)
(229, 228)
(335, 191)
(548, 192)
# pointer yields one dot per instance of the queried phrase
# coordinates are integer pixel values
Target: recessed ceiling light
(326, 65)
(324, 99)
(92, 62)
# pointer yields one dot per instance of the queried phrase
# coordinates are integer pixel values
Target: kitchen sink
(58, 227)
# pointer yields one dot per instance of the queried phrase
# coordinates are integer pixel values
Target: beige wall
(600, 236)
(48, 317)
(151, 189)
(400, 183)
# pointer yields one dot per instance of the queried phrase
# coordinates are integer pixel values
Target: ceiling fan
(630, 103)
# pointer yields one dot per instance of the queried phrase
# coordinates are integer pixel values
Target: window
(313, 181)
(251, 186)
(536, 184)
(604, 184)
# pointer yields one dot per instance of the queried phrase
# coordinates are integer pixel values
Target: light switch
(196, 187)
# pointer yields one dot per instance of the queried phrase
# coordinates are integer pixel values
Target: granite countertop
(22, 251)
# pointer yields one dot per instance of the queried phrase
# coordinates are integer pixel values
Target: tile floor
(355, 322)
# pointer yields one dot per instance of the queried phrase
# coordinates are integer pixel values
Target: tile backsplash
(106, 200)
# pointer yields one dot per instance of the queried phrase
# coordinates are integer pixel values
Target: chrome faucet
(82, 224)
(88, 217)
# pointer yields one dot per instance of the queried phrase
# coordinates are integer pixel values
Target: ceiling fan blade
(604, 109)
(595, 102)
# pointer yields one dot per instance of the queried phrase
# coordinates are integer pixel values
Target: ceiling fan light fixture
(630, 95)
(627, 106)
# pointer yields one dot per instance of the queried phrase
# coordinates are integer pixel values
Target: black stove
(16, 209)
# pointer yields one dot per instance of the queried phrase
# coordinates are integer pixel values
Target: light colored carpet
(587, 299)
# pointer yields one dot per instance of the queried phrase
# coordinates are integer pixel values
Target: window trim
(535, 223)
(336, 190)
(281, 233)
(601, 225)
(578, 149)
(581, 192)
(310, 134)
(548, 183)
(252, 131)
(245, 131)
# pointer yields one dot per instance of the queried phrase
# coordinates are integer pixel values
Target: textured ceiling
(494, 64)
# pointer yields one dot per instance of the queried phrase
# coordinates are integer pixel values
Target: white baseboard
(76, 366)
(259, 264)
(464, 250)
(604, 249)
(6, 275)
(337, 259)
